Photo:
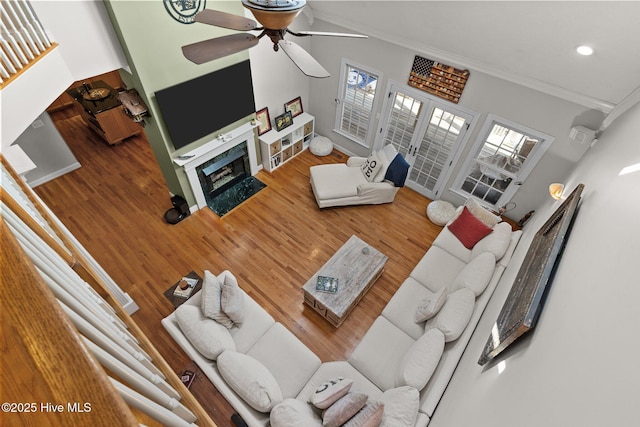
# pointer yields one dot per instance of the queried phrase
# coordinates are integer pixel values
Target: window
(500, 161)
(356, 102)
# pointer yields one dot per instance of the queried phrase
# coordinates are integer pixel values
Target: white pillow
(294, 413)
(384, 162)
(327, 393)
(400, 407)
(477, 274)
(430, 305)
(486, 217)
(232, 298)
(371, 167)
(421, 360)
(454, 316)
(496, 242)
(250, 379)
(208, 337)
(212, 300)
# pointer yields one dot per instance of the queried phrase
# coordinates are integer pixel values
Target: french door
(427, 132)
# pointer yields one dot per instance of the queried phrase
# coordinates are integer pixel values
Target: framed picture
(264, 121)
(284, 120)
(295, 106)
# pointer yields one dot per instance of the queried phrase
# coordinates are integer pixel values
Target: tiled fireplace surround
(191, 160)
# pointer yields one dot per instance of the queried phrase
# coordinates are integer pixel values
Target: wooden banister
(46, 372)
(85, 270)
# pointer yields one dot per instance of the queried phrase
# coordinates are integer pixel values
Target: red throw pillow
(469, 229)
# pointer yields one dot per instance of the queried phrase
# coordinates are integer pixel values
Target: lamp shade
(556, 190)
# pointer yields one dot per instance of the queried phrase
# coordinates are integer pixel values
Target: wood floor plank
(273, 243)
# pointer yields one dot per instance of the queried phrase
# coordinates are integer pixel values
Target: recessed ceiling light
(584, 50)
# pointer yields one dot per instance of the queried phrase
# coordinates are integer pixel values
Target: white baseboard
(54, 175)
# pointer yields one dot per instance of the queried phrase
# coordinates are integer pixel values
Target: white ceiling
(527, 42)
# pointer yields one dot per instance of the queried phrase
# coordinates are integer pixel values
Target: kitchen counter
(100, 97)
(100, 108)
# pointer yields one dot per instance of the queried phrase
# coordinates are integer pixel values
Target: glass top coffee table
(356, 266)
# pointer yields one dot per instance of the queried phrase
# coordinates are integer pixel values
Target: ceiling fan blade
(303, 59)
(226, 20)
(320, 33)
(211, 49)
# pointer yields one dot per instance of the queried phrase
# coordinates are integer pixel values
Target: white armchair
(361, 181)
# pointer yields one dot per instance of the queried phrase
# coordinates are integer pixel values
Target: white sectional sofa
(393, 355)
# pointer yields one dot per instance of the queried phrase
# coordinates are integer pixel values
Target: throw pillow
(477, 274)
(294, 413)
(421, 360)
(250, 379)
(430, 305)
(497, 242)
(487, 218)
(212, 300)
(208, 337)
(397, 171)
(468, 229)
(369, 416)
(455, 314)
(232, 298)
(344, 408)
(384, 162)
(400, 407)
(330, 391)
(371, 167)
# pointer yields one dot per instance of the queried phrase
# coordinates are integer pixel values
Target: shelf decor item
(439, 79)
(284, 120)
(327, 284)
(264, 121)
(181, 291)
(295, 106)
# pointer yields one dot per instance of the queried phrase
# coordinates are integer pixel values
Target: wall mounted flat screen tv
(196, 108)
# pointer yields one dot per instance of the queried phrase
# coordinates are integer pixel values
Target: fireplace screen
(223, 171)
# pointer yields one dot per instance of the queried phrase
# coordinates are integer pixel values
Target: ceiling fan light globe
(278, 5)
(278, 16)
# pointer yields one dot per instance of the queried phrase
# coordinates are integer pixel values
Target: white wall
(579, 365)
(483, 94)
(277, 80)
(45, 146)
(84, 32)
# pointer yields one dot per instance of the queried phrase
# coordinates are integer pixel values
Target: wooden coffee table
(357, 266)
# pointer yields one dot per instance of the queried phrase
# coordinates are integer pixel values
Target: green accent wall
(152, 41)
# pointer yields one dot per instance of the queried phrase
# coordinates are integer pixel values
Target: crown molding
(466, 63)
(625, 105)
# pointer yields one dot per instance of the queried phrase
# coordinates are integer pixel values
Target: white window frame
(340, 100)
(429, 102)
(532, 159)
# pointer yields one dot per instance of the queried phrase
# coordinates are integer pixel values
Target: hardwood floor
(273, 243)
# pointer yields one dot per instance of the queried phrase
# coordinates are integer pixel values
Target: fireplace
(220, 165)
(223, 172)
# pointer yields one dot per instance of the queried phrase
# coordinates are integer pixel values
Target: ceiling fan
(274, 17)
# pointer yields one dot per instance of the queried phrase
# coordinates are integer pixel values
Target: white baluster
(12, 21)
(28, 29)
(155, 411)
(141, 384)
(42, 36)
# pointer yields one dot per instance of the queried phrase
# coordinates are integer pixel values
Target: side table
(178, 300)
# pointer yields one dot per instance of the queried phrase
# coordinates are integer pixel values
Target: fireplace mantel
(191, 160)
